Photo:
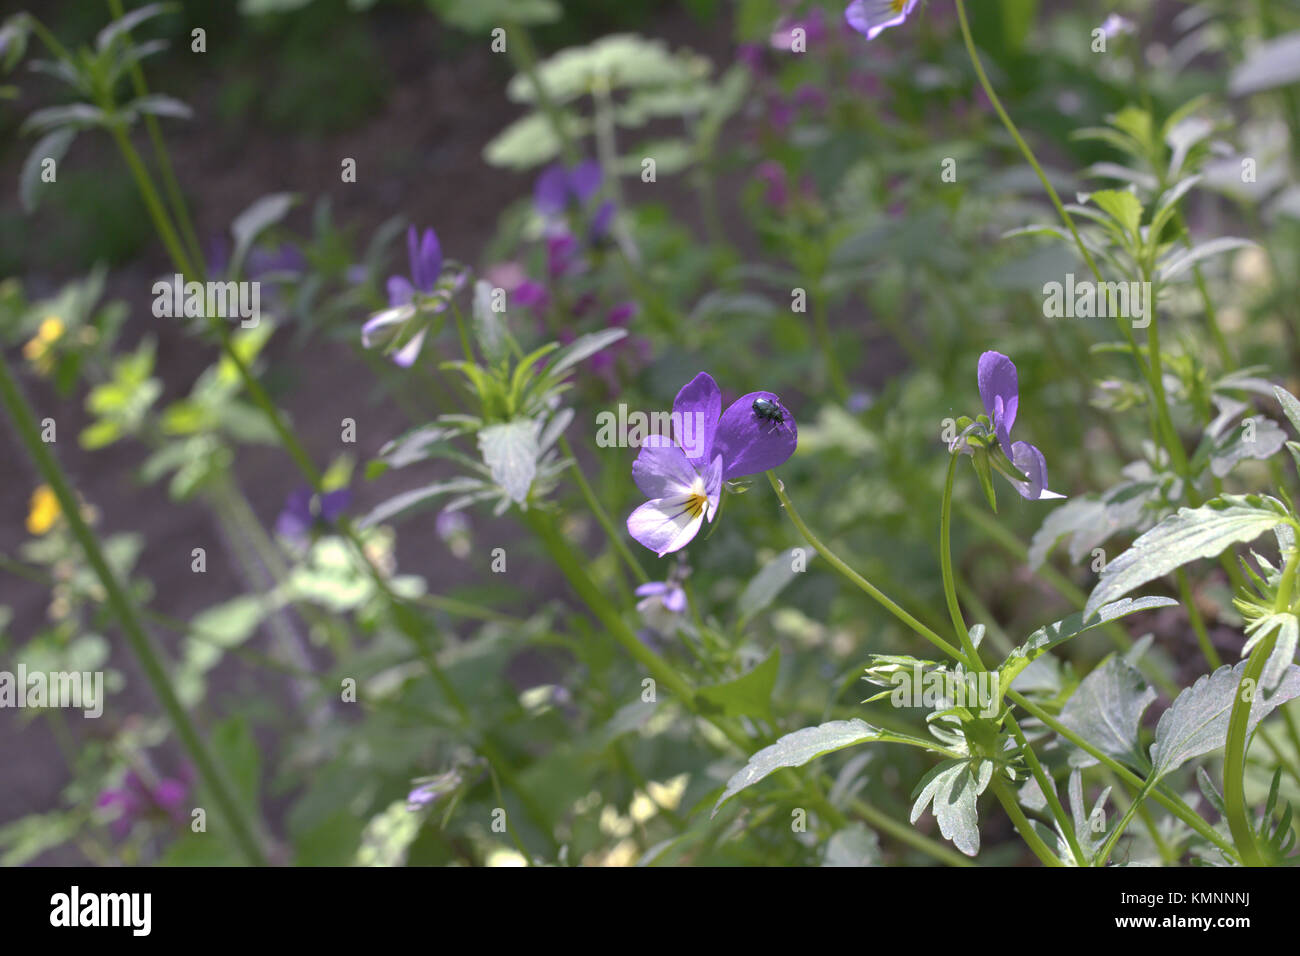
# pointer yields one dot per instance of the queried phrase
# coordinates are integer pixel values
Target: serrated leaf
(1184, 537)
(855, 845)
(416, 497)
(1045, 638)
(796, 749)
(1106, 710)
(1196, 723)
(1290, 405)
(951, 790)
(1122, 206)
(510, 451)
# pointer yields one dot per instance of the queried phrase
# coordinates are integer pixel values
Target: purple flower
(558, 188)
(305, 512)
(1114, 25)
(387, 327)
(869, 17)
(601, 222)
(425, 254)
(772, 174)
(135, 800)
(683, 476)
(668, 594)
(999, 387)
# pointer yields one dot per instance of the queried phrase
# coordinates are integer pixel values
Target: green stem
(1048, 787)
(1023, 826)
(945, 561)
(858, 580)
(1234, 749)
(170, 183)
(1104, 853)
(602, 516)
(244, 830)
(1173, 804)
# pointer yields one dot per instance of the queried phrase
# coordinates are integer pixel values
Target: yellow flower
(39, 349)
(44, 510)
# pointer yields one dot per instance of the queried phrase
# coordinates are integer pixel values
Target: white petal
(665, 525)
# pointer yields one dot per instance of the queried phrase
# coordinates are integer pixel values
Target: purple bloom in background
(425, 254)
(999, 386)
(869, 17)
(305, 511)
(601, 222)
(135, 800)
(1115, 25)
(683, 476)
(670, 595)
(425, 257)
(558, 188)
(772, 174)
(561, 255)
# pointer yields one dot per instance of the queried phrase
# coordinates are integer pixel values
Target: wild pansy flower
(305, 512)
(869, 17)
(559, 189)
(683, 475)
(999, 386)
(411, 295)
(1114, 25)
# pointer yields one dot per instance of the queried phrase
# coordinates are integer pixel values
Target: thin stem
(858, 580)
(945, 561)
(602, 516)
(1173, 804)
(1023, 826)
(1104, 853)
(245, 830)
(1048, 787)
(1234, 749)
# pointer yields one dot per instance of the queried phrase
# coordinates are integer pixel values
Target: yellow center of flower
(37, 349)
(697, 499)
(898, 5)
(44, 511)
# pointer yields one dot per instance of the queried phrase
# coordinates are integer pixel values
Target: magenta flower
(999, 386)
(135, 800)
(869, 17)
(683, 475)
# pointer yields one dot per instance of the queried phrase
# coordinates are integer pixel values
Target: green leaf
(253, 221)
(417, 497)
(796, 749)
(1259, 440)
(1184, 537)
(480, 16)
(510, 451)
(1122, 206)
(951, 790)
(237, 755)
(620, 60)
(582, 348)
(749, 695)
(156, 104)
(489, 325)
(53, 145)
(1182, 260)
(1290, 405)
(232, 622)
(1045, 638)
(72, 115)
(1196, 723)
(1106, 710)
(1267, 66)
(855, 845)
(129, 22)
(530, 141)
(764, 587)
